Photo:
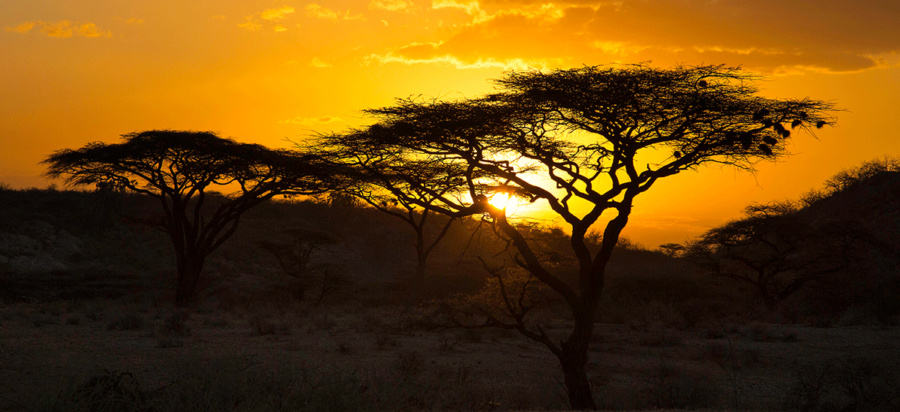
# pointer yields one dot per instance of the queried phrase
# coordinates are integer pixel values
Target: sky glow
(267, 71)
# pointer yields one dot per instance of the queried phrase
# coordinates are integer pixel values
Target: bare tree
(180, 168)
(297, 259)
(580, 142)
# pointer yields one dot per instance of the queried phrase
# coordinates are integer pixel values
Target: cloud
(89, 30)
(391, 5)
(250, 24)
(319, 12)
(317, 62)
(61, 29)
(508, 40)
(315, 10)
(21, 28)
(312, 120)
(766, 35)
(471, 7)
(268, 16)
(448, 60)
(276, 14)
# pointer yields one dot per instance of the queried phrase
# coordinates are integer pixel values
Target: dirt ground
(46, 347)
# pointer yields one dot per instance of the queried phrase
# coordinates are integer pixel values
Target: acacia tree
(580, 142)
(773, 249)
(179, 168)
(373, 184)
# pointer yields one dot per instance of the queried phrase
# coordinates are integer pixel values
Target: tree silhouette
(581, 142)
(373, 182)
(775, 250)
(180, 168)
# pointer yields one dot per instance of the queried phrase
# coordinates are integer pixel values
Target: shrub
(109, 391)
(848, 383)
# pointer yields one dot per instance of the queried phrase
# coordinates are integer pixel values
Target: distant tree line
(821, 240)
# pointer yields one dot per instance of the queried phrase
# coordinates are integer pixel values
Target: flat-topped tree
(393, 185)
(179, 168)
(582, 142)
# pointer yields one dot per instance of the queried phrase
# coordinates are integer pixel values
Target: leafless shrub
(807, 389)
(448, 341)
(845, 384)
(109, 391)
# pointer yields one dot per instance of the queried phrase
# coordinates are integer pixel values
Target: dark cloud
(768, 35)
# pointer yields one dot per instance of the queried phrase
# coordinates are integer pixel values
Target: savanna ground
(138, 353)
(96, 330)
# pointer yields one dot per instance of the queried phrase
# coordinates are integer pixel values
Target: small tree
(773, 249)
(179, 168)
(296, 256)
(581, 142)
(380, 198)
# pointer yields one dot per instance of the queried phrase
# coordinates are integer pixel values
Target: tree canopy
(179, 168)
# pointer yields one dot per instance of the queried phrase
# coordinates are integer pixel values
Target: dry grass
(379, 359)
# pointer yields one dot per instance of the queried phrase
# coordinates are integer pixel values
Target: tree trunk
(573, 360)
(421, 254)
(187, 291)
(420, 267)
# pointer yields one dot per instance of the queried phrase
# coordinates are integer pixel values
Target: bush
(109, 391)
(858, 384)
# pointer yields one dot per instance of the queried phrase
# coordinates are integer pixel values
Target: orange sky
(265, 71)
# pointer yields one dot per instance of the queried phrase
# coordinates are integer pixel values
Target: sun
(502, 200)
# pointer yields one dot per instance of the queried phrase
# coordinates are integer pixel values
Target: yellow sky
(78, 71)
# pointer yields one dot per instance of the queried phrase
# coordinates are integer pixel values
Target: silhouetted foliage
(378, 196)
(773, 249)
(180, 169)
(581, 142)
(849, 178)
